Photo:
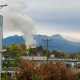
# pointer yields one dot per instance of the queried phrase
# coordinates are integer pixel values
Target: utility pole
(1, 36)
(47, 44)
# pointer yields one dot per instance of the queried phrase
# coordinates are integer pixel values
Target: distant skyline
(54, 17)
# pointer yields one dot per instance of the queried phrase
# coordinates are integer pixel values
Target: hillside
(13, 39)
(57, 42)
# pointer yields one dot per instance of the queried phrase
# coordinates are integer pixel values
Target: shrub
(46, 71)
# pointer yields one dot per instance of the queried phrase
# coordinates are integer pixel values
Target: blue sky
(56, 17)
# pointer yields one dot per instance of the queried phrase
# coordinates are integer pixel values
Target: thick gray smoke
(16, 21)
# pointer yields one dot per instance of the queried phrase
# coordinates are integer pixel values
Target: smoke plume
(16, 21)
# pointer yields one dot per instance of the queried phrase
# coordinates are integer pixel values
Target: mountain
(13, 39)
(55, 42)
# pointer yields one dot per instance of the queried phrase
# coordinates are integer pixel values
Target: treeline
(14, 50)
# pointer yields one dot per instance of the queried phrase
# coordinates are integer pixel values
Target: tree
(14, 50)
(33, 51)
(39, 48)
(46, 53)
(58, 71)
(46, 71)
(25, 71)
(58, 54)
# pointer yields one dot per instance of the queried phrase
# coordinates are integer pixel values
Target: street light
(1, 6)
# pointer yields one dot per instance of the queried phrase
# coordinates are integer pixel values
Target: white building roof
(34, 58)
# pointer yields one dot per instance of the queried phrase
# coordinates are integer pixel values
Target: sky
(55, 17)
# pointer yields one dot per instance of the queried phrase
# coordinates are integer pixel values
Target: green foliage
(46, 53)
(9, 63)
(33, 51)
(12, 54)
(5, 76)
(14, 50)
(60, 54)
(36, 77)
(76, 55)
(39, 48)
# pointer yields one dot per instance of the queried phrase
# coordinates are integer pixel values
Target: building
(40, 59)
